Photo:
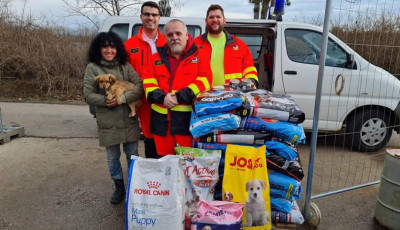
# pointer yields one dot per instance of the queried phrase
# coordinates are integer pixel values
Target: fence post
(328, 10)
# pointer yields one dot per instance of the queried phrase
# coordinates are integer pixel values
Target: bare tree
(93, 10)
(165, 8)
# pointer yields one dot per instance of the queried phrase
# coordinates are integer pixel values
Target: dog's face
(255, 189)
(105, 80)
(196, 195)
(206, 228)
(228, 196)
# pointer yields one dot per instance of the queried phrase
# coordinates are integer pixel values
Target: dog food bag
(246, 181)
(201, 170)
(294, 216)
(156, 194)
(264, 104)
(218, 215)
(215, 146)
(284, 187)
(288, 152)
(219, 101)
(280, 204)
(286, 131)
(202, 125)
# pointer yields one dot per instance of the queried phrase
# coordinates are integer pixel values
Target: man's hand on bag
(170, 100)
(112, 103)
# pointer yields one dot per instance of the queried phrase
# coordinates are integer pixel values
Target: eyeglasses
(148, 15)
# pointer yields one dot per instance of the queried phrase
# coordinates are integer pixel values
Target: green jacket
(114, 124)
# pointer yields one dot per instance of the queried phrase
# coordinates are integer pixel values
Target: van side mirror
(350, 61)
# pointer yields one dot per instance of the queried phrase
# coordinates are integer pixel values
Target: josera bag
(246, 181)
(156, 194)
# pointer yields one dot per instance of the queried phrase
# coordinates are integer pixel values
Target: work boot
(119, 193)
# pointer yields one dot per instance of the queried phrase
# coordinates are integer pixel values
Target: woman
(107, 56)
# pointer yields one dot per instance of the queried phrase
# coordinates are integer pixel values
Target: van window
(193, 30)
(253, 41)
(305, 46)
(121, 30)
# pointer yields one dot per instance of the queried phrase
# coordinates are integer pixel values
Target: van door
(300, 58)
(257, 41)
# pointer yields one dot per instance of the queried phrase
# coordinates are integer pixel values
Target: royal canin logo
(153, 184)
(153, 190)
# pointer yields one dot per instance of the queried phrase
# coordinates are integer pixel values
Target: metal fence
(337, 161)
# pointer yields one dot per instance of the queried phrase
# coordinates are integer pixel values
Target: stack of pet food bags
(200, 167)
(255, 118)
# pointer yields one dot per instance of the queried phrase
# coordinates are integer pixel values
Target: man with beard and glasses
(228, 56)
(140, 48)
(176, 75)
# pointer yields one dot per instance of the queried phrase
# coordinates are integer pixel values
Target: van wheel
(368, 131)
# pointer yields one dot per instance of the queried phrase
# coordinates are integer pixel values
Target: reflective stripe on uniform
(251, 76)
(194, 88)
(150, 89)
(150, 81)
(205, 82)
(182, 108)
(159, 109)
(249, 69)
(233, 76)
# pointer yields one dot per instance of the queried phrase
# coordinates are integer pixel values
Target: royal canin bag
(156, 194)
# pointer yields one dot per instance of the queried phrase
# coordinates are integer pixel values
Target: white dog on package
(256, 215)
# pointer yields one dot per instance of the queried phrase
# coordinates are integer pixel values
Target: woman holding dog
(107, 55)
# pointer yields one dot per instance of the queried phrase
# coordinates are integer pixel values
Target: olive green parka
(114, 124)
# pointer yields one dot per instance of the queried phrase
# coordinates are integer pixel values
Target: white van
(357, 97)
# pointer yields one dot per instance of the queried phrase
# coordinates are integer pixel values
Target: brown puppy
(116, 88)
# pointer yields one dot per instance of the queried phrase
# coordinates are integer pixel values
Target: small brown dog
(116, 88)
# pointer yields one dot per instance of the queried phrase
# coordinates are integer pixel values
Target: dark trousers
(150, 150)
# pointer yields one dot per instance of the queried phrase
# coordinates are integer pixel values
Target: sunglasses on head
(148, 15)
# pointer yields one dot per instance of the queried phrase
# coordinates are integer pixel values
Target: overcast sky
(299, 9)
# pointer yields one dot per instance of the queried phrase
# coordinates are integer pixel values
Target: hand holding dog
(170, 100)
(112, 102)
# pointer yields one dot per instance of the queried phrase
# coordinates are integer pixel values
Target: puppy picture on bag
(246, 181)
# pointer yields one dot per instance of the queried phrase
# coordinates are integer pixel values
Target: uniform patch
(235, 47)
(134, 50)
(158, 62)
(195, 60)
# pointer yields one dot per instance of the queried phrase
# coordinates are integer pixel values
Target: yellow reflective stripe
(249, 69)
(150, 89)
(159, 109)
(194, 88)
(150, 81)
(233, 75)
(205, 82)
(182, 108)
(251, 76)
(174, 91)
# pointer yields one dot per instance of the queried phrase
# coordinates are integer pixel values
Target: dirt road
(56, 177)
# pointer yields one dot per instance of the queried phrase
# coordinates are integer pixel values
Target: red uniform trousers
(166, 145)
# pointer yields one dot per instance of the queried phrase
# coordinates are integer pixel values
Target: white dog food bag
(246, 181)
(155, 197)
(200, 167)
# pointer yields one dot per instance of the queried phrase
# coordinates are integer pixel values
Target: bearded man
(176, 75)
(228, 56)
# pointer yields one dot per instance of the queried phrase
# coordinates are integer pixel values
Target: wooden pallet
(284, 226)
(9, 132)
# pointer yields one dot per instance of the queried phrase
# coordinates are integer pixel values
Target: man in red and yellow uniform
(177, 75)
(140, 48)
(228, 56)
